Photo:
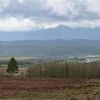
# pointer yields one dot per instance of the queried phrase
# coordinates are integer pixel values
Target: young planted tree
(12, 66)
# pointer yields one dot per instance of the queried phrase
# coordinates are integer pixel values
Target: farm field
(49, 89)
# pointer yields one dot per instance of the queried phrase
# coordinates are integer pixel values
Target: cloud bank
(26, 15)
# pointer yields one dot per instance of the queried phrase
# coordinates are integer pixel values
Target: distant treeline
(64, 70)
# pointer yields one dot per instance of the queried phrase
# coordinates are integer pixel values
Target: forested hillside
(44, 48)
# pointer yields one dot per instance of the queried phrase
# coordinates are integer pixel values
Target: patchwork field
(49, 89)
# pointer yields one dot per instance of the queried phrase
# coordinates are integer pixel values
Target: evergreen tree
(12, 66)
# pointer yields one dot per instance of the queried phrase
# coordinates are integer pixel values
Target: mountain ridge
(45, 48)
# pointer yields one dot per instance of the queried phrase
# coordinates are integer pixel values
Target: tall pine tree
(12, 66)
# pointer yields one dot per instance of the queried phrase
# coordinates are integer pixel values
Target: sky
(49, 19)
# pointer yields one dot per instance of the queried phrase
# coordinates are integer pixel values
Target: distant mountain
(45, 48)
(60, 32)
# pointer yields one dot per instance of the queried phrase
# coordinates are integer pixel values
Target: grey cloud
(72, 10)
(51, 13)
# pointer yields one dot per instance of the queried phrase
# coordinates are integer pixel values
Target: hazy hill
(49, 47)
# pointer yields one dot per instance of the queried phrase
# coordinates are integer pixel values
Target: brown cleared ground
(39, 85)
(31, 87)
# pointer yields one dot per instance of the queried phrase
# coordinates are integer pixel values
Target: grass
(66, 94)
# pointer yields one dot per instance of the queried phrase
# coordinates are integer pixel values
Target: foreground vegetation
(49, 89)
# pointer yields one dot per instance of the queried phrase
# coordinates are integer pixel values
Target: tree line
(58, 69)
(64, 70)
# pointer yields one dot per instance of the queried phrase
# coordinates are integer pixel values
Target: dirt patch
(39, 85)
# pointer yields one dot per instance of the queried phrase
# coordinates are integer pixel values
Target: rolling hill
(45, 48)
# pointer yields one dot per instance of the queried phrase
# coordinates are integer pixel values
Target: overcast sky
(39, 15)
